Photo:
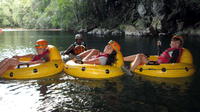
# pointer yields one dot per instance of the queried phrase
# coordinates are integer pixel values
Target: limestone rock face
(148, 16)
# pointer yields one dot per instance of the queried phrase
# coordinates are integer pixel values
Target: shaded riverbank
(97, 32)
(22, 29)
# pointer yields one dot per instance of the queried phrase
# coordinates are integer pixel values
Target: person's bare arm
(28, 55)
(69, 49)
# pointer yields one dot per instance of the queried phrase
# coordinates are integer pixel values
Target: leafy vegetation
(65, 14)
(36, 13)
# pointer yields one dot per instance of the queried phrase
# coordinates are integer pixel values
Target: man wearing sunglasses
(41, 57)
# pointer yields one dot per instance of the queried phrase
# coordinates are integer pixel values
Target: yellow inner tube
(54, 66)
(184, 68)
(92, 71)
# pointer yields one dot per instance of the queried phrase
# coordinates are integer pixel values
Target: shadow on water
(61, 93)
(194, 90)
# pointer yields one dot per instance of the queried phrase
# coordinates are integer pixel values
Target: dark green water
(63, 93)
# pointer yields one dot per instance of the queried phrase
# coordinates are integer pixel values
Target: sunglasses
(40, 45)
(176, 39)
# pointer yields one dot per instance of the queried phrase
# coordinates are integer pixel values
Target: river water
(63, 93)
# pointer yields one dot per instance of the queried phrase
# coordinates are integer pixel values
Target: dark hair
(111, 58)
(177, 39)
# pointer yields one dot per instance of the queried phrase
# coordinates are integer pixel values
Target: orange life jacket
(79, 49)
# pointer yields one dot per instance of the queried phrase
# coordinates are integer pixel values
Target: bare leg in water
(7, 64)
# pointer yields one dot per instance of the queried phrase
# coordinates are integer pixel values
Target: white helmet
(78, 36)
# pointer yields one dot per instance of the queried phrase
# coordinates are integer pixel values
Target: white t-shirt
(103, 60)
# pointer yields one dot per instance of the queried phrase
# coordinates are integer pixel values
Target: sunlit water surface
(62, 93)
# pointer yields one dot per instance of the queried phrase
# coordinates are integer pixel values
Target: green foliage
(36, 13)
(65, 14)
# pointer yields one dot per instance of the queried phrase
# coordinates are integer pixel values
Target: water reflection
(180, 83)
(18, 96)
(66, 93)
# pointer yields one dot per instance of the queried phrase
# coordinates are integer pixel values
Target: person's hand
(79, 61)
(62, 52)
(16, 57)
(14, 62)
(142, 55)
(158, 43)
